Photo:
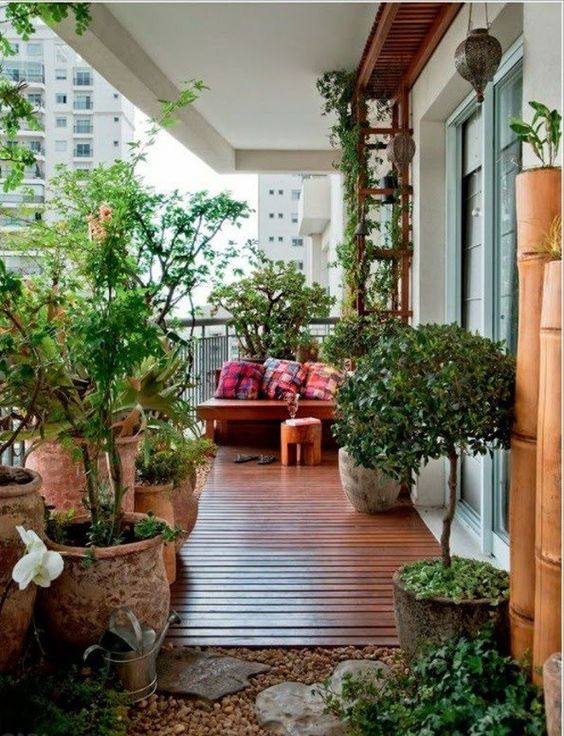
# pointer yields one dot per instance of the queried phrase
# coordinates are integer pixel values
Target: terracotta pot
(64, 481)
(538, 194)
(77, 605)
(186, 507)
(552, 681)
(20, 505)
(548, 545)
(369, 491)
(434, 620)
(157, 498)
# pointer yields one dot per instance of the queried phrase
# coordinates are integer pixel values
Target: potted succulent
(438, 391)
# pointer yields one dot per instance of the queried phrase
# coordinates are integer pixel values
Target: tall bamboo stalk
(547, 633)
(538, 203)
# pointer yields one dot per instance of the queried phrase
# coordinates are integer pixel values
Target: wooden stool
(307, 434)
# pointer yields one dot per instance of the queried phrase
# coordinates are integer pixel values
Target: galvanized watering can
(132, 650)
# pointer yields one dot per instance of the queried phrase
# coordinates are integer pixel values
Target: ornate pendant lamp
(477, 58)
(401, 149)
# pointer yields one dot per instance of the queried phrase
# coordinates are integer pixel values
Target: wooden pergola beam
(442, 22)
(372, 52)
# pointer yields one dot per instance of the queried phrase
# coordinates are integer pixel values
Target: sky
(169, 165)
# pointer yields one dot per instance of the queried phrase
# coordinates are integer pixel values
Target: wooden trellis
(401, 41)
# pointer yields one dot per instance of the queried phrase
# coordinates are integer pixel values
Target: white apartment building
(278, 231)
(84, 120)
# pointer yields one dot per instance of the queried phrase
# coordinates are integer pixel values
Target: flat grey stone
(356, 667)
(211, 676)
(295, 709)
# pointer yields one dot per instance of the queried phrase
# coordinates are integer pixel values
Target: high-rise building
(278, 221)
(84, 120)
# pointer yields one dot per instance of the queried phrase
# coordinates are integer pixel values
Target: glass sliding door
(483, 159)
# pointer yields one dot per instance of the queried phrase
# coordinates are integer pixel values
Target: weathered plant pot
(552, 681)
(431, 621)
(186, 507)
(79, 602)
(368, 490)
(20, 505)
(158, 499)
(64, 481)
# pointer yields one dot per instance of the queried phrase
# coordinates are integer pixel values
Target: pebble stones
(210, 676)
(294, 709)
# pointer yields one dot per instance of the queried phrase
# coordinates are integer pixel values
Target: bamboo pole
(538, 194)
(547, 633)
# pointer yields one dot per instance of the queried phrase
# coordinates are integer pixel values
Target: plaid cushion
(282, 377)
(239, 379)
(322, 381)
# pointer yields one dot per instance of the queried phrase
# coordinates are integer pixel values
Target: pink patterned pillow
(282, 377)
(322, 381)
(239, 379)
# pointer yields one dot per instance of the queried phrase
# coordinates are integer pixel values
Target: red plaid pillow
(239, 379)
(322, 381)
(282, 377)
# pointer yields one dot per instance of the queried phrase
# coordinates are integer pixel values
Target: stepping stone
(357, 667)
(295, 709)
(210, 676)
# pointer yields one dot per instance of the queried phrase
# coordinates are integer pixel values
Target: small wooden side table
(307, 434)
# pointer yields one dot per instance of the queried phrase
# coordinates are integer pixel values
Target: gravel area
(234, 715)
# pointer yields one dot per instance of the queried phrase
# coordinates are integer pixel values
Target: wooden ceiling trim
(382, 25)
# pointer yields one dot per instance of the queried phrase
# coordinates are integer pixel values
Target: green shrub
(61, 703)
(464, 580)
(463, 688)
(437, 391)
(169, 457)
(354, 337)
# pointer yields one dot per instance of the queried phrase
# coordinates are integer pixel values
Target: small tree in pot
(440, 392)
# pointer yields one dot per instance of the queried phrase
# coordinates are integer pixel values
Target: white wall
(542, 61)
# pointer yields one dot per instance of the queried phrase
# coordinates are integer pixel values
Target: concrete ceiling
(260, 61)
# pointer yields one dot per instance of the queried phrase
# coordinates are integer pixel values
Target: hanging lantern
(401, 149)
(361, 227)
(477, 58)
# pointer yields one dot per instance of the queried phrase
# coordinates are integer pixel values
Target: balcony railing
(83, 80)
(83, 129)
(25, 71)
(83, 153)
(83, 105)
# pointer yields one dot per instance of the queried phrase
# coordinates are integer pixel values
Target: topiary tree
(355, 335)
(269, 308)
(431, 392)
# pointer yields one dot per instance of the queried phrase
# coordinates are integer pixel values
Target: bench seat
(259, 410)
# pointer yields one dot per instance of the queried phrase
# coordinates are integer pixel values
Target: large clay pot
(538, 194)
(431, 621)
(63, 476)
(20, 505)
(186, 507)
(369, 491)
(548, 543)
(157, 499)
(78, 604)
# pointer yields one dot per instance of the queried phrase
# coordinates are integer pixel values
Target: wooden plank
(383, 23)
(279, 558)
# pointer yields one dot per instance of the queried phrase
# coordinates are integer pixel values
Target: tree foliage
(270, 307)
(431, 392)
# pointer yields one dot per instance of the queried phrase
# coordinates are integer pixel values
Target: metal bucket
(131, 652)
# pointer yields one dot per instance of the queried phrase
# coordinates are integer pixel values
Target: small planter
(79, 602)
(64, 481)
(20, 505)
(158, 500)
(186, 507)
(369, 491)
(432, 621)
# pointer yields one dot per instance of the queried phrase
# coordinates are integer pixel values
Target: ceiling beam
(375, 45)
(445, 16)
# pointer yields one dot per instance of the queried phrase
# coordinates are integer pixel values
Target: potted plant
(270, 307)
(438, 391)
(353, 337)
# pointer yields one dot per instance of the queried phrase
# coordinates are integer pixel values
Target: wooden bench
(258, 410)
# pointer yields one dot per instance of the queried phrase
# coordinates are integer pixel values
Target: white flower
(38, 565)
(31, 540)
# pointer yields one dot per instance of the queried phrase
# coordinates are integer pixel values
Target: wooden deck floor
(279, 558)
